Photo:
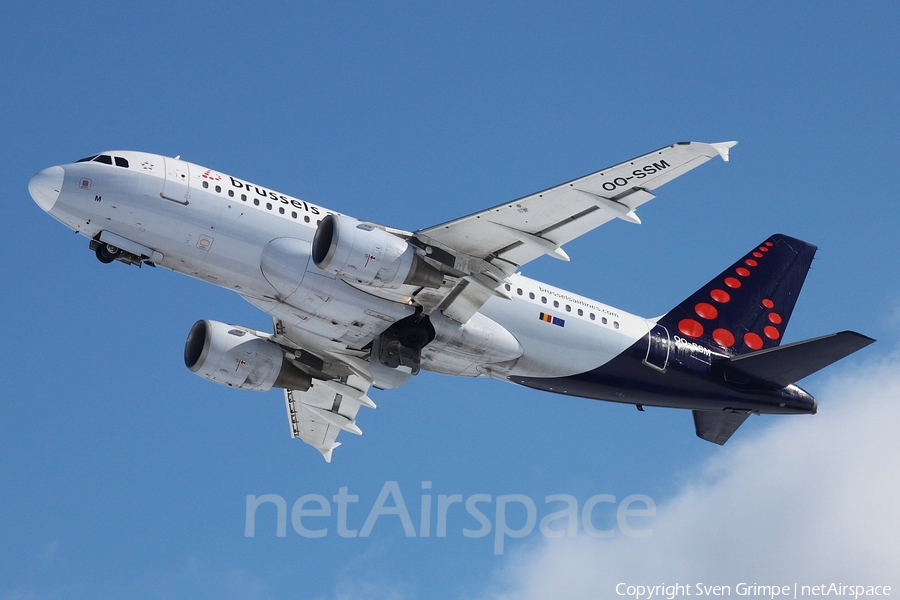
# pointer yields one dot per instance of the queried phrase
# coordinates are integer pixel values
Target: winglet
(723, 147)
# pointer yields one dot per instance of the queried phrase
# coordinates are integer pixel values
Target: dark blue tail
(747, 307)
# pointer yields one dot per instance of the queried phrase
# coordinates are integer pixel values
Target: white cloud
(810, 500)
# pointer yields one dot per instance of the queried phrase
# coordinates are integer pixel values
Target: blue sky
(125, 475)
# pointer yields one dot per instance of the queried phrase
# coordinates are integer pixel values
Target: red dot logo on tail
(753, 341)
(723, 337)
(690, 328)
(706, 311)
(720, 296)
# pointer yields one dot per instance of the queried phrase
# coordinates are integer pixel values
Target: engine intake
(237, 358)
(366, 254)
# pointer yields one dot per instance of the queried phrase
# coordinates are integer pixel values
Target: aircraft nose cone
(46, 185)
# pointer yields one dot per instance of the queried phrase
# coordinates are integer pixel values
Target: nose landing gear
(106, 253)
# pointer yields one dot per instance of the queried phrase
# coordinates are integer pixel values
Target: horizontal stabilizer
(784, 365)
(715, 426)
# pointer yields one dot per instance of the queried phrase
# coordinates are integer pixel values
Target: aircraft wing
(319, 414)
(488, 246)
(341, 379)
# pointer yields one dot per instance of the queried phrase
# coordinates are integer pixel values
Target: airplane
(356, 304)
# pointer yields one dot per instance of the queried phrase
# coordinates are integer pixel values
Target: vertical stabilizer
(746, 308)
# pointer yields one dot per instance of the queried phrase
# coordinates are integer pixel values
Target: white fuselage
(215, 227)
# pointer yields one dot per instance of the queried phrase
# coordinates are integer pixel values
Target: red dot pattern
(723, 337)
(720, 296)
(706, 311)
(690, 328)
(753, 341)
(693, 328)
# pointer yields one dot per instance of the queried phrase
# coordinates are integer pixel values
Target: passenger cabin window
(544, 299)
(121, 162)
(306, 219)
(580, 313)
(555, 304)
(593, 316)
(103, 158)
(531, 295)
(568, 308)
(519, 291)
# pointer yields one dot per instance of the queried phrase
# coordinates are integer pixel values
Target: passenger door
(177, 186)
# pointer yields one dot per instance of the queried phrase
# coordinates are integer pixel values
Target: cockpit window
(105, 159)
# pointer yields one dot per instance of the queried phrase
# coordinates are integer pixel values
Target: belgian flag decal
(551, 319)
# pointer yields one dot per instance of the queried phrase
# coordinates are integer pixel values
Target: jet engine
(237, 357)
(366, 254)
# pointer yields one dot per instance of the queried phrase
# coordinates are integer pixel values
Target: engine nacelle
(237, 358)
(366, 254)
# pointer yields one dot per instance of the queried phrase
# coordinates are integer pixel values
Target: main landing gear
(397, 353)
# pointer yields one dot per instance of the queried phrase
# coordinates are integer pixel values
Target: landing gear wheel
(107, 253)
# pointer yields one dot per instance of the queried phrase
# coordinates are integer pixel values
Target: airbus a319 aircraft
(357, 304)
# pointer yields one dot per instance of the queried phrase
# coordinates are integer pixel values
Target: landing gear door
(178, 181)
(658, 348)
